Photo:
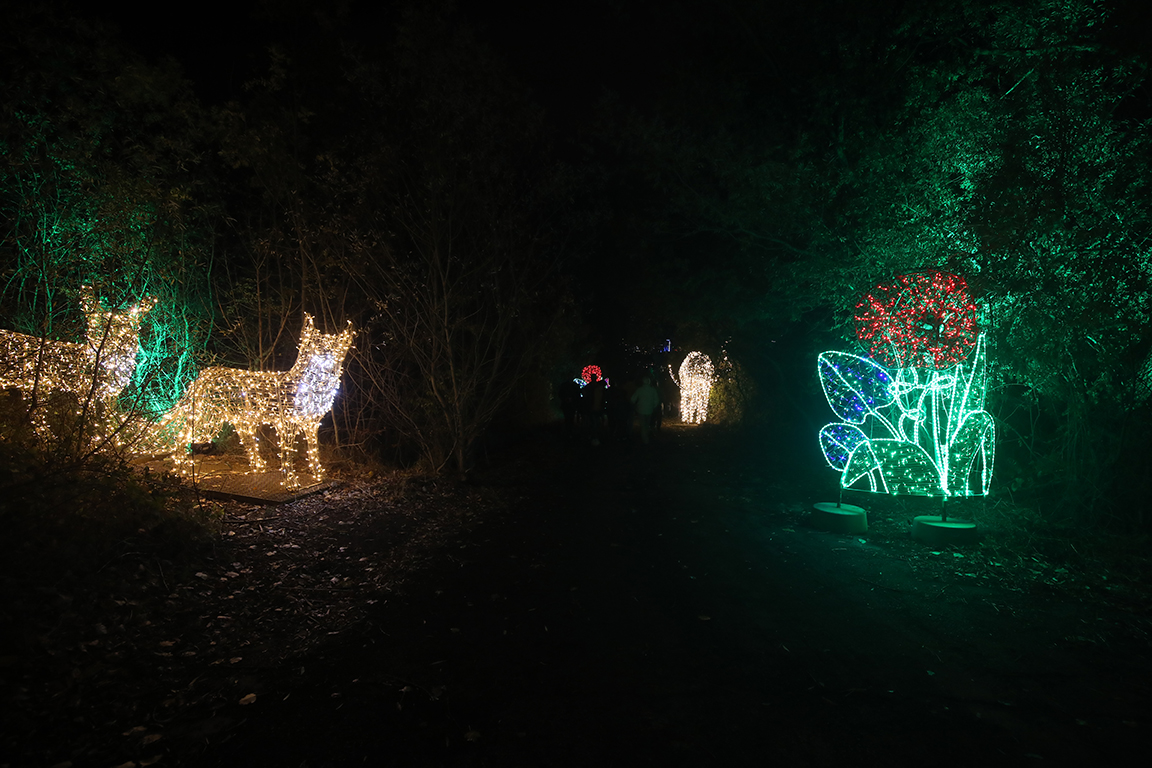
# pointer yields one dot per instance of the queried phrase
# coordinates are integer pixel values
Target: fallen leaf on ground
(248, 699)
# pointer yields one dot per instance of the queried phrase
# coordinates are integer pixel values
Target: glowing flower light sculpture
(591, 373)
(912, 416)
(695, 382)
(293, 402)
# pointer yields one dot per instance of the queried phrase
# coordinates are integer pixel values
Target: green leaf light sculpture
(912, 418)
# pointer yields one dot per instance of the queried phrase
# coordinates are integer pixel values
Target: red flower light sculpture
(919, 320)
(590, 373)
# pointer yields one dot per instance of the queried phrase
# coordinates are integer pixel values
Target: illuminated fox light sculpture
(99, 367)
(293, 402)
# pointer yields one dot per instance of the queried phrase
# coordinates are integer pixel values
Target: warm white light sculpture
(100, 367)
(293, 402)
(695, 382)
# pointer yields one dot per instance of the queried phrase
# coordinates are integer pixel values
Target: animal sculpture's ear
(306, 332)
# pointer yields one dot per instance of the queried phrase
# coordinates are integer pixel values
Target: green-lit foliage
(95, 189)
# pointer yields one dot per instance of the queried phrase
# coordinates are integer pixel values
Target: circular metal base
(843, 518)
(931, 530)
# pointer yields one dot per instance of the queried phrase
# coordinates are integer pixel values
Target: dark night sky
(565, 54)
(569, 55)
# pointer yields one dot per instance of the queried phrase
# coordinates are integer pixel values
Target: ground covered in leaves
(145, 643)
(572, 606)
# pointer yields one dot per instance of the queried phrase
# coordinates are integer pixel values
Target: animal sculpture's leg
(287, 438)
(251, 447)
(39, 416)
(182, 460)
(189, 424)
(312, 435)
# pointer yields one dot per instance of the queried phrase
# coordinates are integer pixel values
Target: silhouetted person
(647, 402)
(669, 396)
(619, 413)
(569, 403)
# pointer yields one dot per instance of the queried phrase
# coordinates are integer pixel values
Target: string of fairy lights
(912, 414)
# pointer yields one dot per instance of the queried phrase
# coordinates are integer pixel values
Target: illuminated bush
(732, 393)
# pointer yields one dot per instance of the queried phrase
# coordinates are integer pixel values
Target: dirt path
(664, 607)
